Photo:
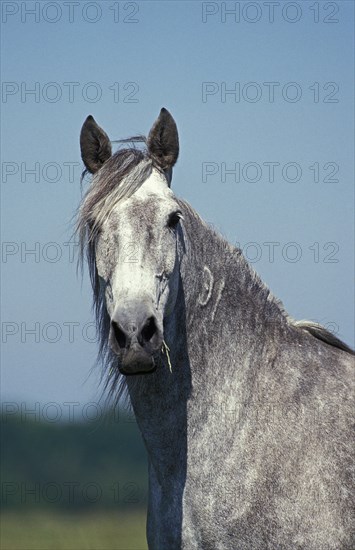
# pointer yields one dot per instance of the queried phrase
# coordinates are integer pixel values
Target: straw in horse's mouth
(165, 349)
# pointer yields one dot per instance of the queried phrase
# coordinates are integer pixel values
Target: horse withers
(245, 413)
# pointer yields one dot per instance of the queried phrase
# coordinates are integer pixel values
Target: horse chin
(136, 372)
(134, 363)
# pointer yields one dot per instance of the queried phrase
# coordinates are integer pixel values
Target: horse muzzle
(135, 337)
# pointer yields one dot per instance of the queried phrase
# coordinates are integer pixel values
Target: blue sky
(123, 61)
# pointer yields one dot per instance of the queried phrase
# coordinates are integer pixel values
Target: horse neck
(225, 298)
(215, 334)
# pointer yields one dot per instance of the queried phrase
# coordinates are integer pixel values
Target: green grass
(89, 531)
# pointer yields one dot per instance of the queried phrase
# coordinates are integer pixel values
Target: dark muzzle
(135, 337)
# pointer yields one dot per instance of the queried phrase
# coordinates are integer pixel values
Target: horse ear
(163, 140)
(94, 144)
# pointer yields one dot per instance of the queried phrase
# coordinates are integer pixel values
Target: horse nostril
(148, 330)
(119, 335)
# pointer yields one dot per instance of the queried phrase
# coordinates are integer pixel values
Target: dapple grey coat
(247, 420)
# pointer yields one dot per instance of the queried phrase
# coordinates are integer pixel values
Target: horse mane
(315, 329)
(321, 333)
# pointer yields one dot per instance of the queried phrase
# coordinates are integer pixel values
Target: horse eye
(174, 219)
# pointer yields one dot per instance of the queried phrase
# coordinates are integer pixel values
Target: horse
(245, 412)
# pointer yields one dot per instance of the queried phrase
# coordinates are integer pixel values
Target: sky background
(122, 62)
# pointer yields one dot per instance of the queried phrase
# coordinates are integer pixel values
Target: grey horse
(245, 413)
